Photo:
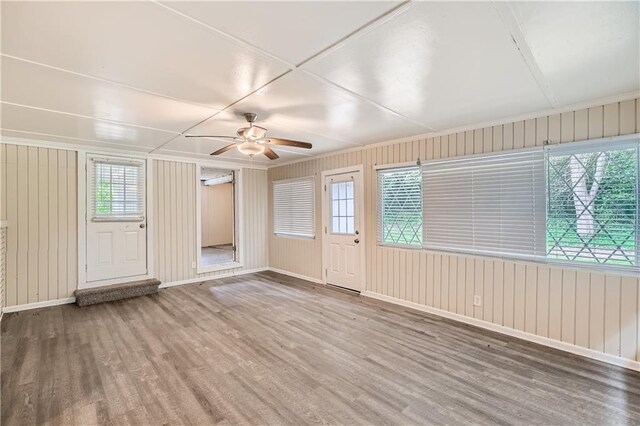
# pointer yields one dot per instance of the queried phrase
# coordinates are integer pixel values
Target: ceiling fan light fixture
(251, 148)
(255, 132)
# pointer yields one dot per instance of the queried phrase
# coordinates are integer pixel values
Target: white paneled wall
(588, 309)
(38, 199)
(39, 202)
(3, 253)
(175, 221)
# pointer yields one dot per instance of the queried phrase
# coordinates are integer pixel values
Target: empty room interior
(320, 212)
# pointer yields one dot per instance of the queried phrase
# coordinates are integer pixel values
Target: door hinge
(86, 268)
(326, 272)
(325, 229)
(325, 188)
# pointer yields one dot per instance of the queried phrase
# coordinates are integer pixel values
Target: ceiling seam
(476, 126)
(226, 35)
(112, 82)
(369, 26)
(517, 36)
(106, 120)
(360, 31)
(365, 99)
(222, 110)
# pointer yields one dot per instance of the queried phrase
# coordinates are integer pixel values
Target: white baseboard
(212, 278)
(567, 347)
(36, 305)
(294, 275)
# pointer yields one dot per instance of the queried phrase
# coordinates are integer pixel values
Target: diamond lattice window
(400, 209)
(592, 205)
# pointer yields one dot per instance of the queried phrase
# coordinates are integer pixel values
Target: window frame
(615, 143)
(406, 166)
(139, 215)
(621, 270)
(284, 234)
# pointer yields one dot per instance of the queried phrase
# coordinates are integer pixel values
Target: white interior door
(343, 251)
(116, 218)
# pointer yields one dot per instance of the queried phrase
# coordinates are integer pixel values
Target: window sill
(295, 237)
(219, 267)
(400, 246)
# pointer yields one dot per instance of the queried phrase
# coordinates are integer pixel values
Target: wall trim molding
(545, 341)
(37, 305)
(68, 300)
(294, 275)
(628, 96)
(127, 151)
(212, 278)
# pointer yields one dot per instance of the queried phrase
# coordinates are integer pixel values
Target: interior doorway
(217, 230)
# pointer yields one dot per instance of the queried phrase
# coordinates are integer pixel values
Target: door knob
(142, 225)
(357, 240)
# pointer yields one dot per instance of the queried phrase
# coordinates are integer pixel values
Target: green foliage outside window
(592, 207)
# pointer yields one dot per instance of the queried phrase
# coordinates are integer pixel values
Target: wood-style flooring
(269, 349)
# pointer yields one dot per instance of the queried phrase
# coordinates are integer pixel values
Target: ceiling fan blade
(210, 136)
(289, 142)
(223, 150)
(270, 153)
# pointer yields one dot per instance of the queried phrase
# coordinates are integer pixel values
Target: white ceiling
(140, 75)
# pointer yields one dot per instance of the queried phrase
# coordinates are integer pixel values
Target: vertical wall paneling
(38, 189)
(39, 192)
(592, 310)
(174, 194)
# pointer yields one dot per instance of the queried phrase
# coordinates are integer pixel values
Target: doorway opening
(217, 230)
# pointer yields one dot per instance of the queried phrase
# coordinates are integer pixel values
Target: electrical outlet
(477, 300)
(193, 265)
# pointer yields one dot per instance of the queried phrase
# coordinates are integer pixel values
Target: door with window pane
(342, 247)
(116, 218)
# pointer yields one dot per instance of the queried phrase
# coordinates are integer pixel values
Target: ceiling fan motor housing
(251, 117)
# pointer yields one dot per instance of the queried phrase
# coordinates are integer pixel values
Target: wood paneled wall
(589, 309)
(3, 253)
(39, 202)
(175, 220)
(38, 199)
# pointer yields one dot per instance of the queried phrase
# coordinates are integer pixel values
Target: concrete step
(109, 293)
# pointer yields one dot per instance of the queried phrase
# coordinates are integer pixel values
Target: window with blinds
(592, 203)
(117, 190)
(400, 206)
(488, 204)
(294, 207)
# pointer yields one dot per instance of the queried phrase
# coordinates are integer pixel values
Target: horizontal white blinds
(491, 204)
(400, 206)
(117, 189)
(294, 207)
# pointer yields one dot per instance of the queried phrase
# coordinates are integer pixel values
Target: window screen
(294, 207)
(400, 206)
(117, 189)
(491, 204)
(592, 203)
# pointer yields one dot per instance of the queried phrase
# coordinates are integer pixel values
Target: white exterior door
(343, 250)
(116, 218)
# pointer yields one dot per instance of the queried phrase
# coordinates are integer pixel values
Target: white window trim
(415, 165)
(576, 266)
(239, 223)
(311, 178)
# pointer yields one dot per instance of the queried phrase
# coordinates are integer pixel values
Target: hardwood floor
(266, 348)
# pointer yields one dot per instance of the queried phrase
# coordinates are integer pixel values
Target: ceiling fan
(252, 140)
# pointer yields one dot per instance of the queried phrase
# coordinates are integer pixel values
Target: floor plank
(271, 349)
